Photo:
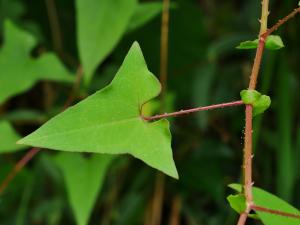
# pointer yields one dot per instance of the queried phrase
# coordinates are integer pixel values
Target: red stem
(243, 218)
(276, 212)
(19, 166)
(248, 156)
(187, 111)
(281, 22)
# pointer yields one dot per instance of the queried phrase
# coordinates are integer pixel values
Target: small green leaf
(274, 42)
(83, 179)
(237, 202)
(109, 121)
(270, 201)
(18, 70)
(261, 105)
(248, 44)
(100, 26)
(8, 138)
(250, 96)
(260, 102)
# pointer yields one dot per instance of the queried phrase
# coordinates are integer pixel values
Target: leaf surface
(83, 179)
(109, 121)
(18, 71)
(143, 13)
(100, 26)
(265, 199)
(8, 138)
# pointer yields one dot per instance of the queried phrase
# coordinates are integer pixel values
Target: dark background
(204, 68)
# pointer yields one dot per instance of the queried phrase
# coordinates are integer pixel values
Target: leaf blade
(111, 118)
(83, 184)
(19, 72)
(99, 28)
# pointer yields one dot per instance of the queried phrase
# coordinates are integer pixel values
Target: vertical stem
(158, 198)
(264, 17)
(247, 167)
(175, 211)
(242, 219)
(164, 42)
(54, 25)
(247, 161)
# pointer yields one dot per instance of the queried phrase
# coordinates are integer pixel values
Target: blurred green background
(204, 68)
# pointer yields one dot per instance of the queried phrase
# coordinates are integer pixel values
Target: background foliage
(204, 68)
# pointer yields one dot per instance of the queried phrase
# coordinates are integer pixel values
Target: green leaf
(100, 26)
(83, 179)
(274, 42)
(259, 102)
(248, 44)
(109, 121)
(270, 201)
(8, 138)
(237, 202)
(144, 12)
(19, 72)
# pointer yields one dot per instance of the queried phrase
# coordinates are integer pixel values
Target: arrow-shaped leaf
(83, 180)
(19, 71)
(109, 121)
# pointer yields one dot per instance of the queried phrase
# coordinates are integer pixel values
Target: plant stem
(281, 22)
(18, 167)
(247, 164)
(159, 193)
(264, 16)
(242, 219)
(264, 33)
(164, 44)
(276, 212)
(188, 111)
(54, 25)
(247, 159)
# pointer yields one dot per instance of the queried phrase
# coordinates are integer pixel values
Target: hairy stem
(247, 165)
(281, 22)
(247, 159)
(188, 111)
(243, 218)
(275, 212)
(264, 16)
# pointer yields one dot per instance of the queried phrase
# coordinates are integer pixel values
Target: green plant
(111, 121)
